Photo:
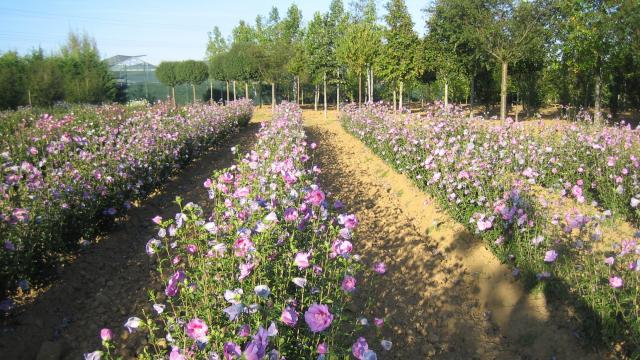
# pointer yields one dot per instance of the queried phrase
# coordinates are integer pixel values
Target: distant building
(133, 76)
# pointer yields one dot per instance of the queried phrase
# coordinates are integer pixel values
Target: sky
(159, 29)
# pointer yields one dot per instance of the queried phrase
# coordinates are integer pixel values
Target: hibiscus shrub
(267, 272)
(510, 185)
(242, 110)
(66, 175)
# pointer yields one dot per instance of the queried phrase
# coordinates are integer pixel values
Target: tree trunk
(273, 96)
(394, 101)
(597, 116)
(324, 82)
(193, 87)
(446, 95)
(400, 97)
(246, 89)
(29, 91)
(516, 108)
(503, 91)
(255, 93)
(472, 96)
(294, 89)
(360, 87)
(210, 92)
(369, 82)
(316, 98)
(173, 96)
(260, 92)
(227, 90)
(338, 93)
(371, 96)
(234, 90)
(369, 85)
(302, 96)
(338, 98)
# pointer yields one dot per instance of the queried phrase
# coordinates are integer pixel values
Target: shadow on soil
(109, 280)
(543, 322)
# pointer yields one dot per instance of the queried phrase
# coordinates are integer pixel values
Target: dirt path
(108, 281)
(445, 296)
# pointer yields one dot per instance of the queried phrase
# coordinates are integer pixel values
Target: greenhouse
(135, 77)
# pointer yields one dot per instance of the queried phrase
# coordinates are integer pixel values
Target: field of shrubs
(268, 266)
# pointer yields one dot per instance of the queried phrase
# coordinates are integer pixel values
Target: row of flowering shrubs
(511, 184)
(266, 271)
(241, 110)
(66, 175)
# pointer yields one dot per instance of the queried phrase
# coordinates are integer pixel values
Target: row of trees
(258, 54)
(527, 52)
(174, 73)
(572, 52)
(75, 74)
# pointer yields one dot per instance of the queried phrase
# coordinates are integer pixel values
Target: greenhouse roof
(128, 63)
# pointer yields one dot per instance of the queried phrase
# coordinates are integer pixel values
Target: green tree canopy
(216, 44)
(359, 48)
(167, 73)
(191, 72)
(244, 61)
(12, 80)
(401, 59)
(44, 75)
(87, 78)
(507, 30)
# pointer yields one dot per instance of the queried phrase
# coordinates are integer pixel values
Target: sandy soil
(445, 296)
(108, 282)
